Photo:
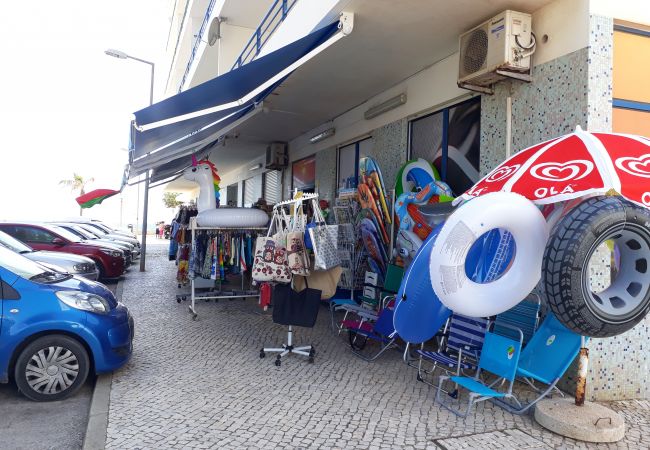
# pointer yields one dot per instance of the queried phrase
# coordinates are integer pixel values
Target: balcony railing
(197, 42)
(276, 15)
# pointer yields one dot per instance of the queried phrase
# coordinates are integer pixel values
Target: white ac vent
(276, 156)
(496, 49)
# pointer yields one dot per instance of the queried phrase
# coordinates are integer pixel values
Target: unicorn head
(205, 174)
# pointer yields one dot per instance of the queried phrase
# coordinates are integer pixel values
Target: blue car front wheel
(51, 368)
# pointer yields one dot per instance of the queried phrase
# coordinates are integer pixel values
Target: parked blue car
(56, 328)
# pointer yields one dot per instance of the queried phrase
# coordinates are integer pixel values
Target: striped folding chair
(460, 348)
(523, 316)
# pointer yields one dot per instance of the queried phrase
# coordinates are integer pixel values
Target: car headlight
(113, 253)
(84, 301)
(84, 267)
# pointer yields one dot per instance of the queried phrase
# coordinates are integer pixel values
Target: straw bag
(270, 263)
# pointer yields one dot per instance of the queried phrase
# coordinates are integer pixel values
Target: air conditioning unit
(276, 156)
(496, 49)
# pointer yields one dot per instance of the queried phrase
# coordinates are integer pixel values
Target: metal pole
(581, 385)
(145, 209)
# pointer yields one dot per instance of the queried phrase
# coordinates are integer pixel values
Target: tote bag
(324, 239)
(296, 253)
(270, 262)
(295, 308)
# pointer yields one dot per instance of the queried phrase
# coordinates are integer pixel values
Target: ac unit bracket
(527, 77)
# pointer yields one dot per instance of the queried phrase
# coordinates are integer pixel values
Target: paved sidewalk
(202, 385)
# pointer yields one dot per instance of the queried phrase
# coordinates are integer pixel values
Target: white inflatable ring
(504, 210)
(232, 217)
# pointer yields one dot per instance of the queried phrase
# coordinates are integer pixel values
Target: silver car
(73, 264)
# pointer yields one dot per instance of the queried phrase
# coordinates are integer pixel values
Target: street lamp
(143, 251)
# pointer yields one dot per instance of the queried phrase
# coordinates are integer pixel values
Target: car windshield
(28, 269)
(13, 244)
(86, 234)
(90, 230)
(96, 228)
(64, 233)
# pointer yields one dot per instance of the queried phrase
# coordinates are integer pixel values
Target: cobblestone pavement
(201, 384)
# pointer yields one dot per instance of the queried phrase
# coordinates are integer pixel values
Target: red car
(110, 261)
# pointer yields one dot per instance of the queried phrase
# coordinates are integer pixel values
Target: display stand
(216, 295)
(289, 349)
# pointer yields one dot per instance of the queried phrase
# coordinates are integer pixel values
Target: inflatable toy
(599, 220)
(413, 175)
(407, 245)
(419, 314)
(205, 174)
(501, 210)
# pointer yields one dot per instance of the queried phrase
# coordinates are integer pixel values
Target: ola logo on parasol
(635, 166)
(555, 171)
(502, 173)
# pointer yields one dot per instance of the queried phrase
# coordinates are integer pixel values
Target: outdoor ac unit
(498, 48)
(276, 156)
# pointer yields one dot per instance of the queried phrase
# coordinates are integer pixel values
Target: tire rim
(624, 298)
(52, 370)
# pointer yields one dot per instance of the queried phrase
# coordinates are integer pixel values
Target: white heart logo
(635, 166)
(570, 170)
(645, 198)
(502, 173)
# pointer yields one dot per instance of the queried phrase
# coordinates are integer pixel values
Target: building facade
(588, 70)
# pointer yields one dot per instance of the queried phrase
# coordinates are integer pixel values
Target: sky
(66, 106)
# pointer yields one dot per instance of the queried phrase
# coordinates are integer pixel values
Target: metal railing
(276, 15)
(197, 42)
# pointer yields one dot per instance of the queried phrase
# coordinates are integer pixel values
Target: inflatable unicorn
(205, 174)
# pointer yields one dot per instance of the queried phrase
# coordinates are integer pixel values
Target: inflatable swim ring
(232, 217)
(503, 210)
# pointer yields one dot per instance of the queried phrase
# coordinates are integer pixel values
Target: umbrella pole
(583, 363)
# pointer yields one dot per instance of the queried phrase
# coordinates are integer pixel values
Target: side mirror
(58, 242)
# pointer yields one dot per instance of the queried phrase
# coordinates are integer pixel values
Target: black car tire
(71, 357)
(565, 269)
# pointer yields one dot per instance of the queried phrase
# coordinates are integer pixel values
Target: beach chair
(523, 316)
(545, 359)
(460, 347)
(380, 331)
(500, 357)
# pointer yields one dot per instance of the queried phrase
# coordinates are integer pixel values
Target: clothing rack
(218, 294)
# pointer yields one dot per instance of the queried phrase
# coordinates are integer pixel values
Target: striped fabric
(466, 332)
(445, 360)
(523, 316)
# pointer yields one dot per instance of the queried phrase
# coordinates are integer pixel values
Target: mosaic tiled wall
(326, 174)
(390, 144)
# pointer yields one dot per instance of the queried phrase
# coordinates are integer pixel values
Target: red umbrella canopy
(572, 166)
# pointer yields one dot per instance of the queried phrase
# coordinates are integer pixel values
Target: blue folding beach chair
(500, 357)
(523, 316)
(545, 359)
(461, 347)
(381, 331)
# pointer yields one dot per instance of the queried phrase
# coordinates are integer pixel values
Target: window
(631, 92)
(450, 139)
(34, 235)
(348, 163)
(303, 174)
(273, 187)
(232, 194)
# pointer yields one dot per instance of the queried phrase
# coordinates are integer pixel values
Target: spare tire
(565, 270)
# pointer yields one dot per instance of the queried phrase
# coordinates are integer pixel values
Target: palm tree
(77, 183)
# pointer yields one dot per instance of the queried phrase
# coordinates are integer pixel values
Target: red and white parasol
(572, 166)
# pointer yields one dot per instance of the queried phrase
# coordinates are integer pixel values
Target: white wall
(231, 45)
(303, 18)
(637, 11)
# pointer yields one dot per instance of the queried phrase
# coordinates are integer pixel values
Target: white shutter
(252, 190)
(273, 187)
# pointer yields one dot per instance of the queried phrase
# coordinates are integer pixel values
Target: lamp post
(143, 251)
